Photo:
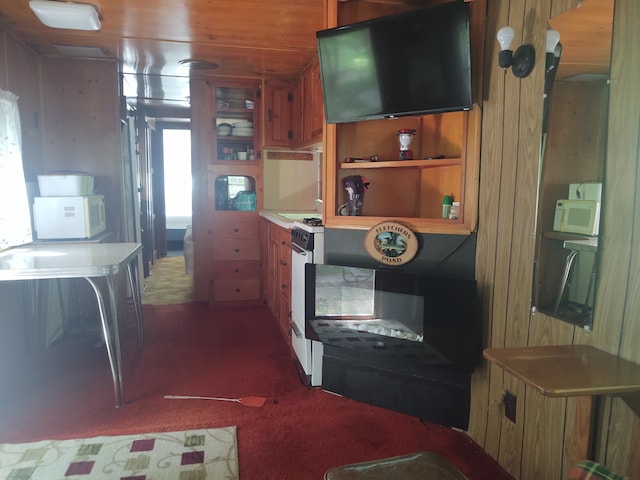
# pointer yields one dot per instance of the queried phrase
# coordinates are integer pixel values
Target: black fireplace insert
(399, 340)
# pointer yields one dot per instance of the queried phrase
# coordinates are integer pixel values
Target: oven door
(308, 352)
(301, 346)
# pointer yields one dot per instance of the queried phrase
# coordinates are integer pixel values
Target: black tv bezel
(466, 106)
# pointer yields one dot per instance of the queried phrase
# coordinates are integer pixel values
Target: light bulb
(505, 37)
(553, 37)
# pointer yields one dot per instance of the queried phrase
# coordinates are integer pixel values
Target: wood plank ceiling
(246, 38)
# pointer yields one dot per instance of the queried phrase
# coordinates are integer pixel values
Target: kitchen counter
(285, 219)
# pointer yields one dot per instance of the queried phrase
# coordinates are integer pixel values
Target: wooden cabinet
(277, 114)
(313, 106)
(236, 259)
(284, 284)
(446, 149)
(293, 115)
(277, 283)
(226, 126)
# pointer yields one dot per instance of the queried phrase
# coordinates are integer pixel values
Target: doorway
(172, 187)
(170, 280)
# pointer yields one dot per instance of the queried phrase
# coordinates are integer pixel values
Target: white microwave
(577, 216)
(58, 218)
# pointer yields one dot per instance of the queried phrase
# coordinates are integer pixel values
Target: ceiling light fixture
(194, 64)
(72, 16)
(521, 61)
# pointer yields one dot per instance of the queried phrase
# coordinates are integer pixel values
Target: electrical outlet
(509, 400)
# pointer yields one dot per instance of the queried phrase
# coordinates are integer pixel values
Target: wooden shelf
(235, 139)
(566, 236)
(427, 163)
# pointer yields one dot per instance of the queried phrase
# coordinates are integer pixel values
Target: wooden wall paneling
(486, 409)
(617, 316)
(23, 79)
(545, 460)
(541, 457)
(81, 126)
(512, 328)
(559, 6)
(201, 152)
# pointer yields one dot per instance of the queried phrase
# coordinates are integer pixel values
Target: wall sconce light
(73, 16)
(524, 58)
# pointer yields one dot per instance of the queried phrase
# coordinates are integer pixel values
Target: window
(15, 217)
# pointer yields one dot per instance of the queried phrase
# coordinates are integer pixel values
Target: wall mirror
(572, 163)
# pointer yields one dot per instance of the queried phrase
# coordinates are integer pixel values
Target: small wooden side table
(579, 371)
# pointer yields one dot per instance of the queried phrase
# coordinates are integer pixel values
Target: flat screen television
(411, 63)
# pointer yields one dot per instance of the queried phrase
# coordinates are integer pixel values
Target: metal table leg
(565, 276)
(112, 345)
(132, 273)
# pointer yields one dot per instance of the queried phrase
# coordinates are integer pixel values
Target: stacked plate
(243, 129)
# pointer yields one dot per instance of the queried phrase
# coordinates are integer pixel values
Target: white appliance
(307, 246)
(585, 191)
(577, 216)
(68, 217)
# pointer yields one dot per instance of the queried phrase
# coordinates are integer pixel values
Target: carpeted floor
(168, 283)
(193, 349)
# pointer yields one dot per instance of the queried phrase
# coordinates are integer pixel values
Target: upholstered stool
(420, 465)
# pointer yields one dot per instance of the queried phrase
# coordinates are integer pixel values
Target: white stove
(307, 246)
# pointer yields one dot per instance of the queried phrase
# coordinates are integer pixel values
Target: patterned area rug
(188, 455)
(168, 283)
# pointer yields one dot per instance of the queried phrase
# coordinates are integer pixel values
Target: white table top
(69, 260)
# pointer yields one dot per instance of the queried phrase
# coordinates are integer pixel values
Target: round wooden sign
(391, 243)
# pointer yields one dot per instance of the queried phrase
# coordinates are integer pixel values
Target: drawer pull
(236, 230)
(237, 250)
(237, 290)
(237, 270)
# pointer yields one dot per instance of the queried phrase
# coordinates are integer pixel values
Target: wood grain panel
(615, 430)
(23, 78)
(81, 126)
(513, 330)
(487, 384)
(201, 151)
(618, 309)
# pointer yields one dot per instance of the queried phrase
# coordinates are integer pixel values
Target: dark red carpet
(192, 349)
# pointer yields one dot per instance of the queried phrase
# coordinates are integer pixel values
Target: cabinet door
(277, 124)
(313, 105)
(237, 122)
(297, 108)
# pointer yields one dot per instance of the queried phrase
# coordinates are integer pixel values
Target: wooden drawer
(236, 228)
(236, 249)
(236, 290)
(236, 270)
(279, 234)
